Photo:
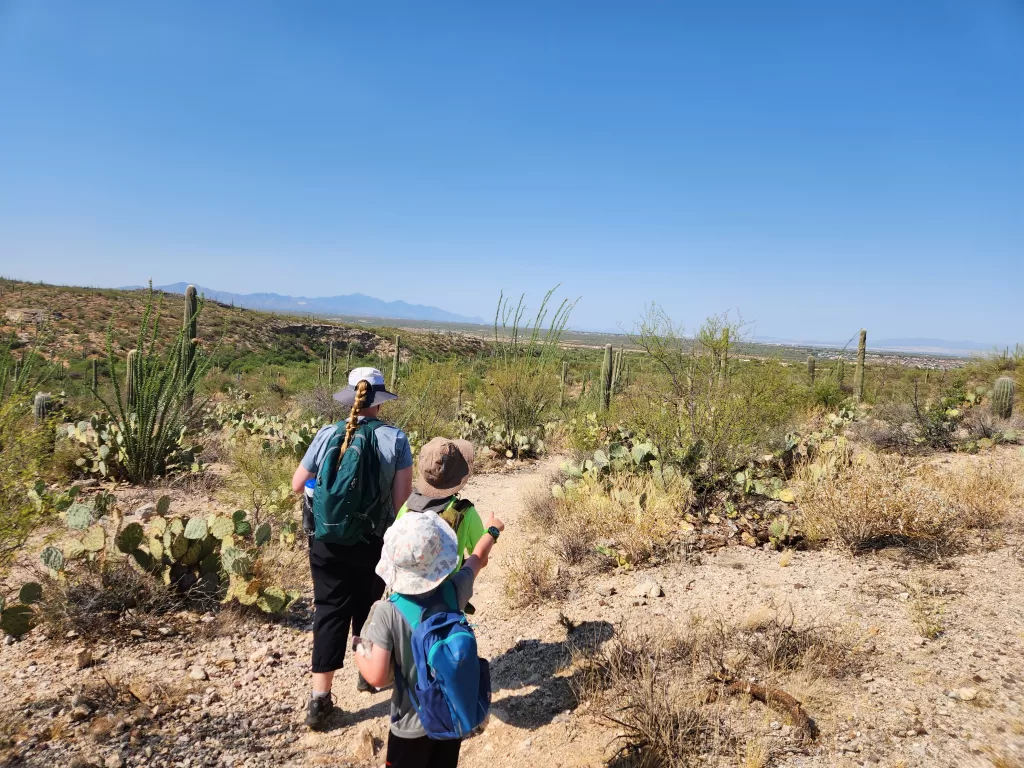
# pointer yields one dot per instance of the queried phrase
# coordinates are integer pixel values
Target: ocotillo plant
(188, 346)
(810, 369)
(1002, 397)
(131, 378)
(858, 376)
(41, 406)
(395, 363)
(561, 385)
(606, 378)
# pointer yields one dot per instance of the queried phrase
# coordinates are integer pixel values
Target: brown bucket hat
(445, 467)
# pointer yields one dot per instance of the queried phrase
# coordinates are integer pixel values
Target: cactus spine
(1002, 397)
(395, 363)
(41, 406)
(858, 375)
(810, 369)
(561, 385)
(606, 378)
(188, 344)
(131, 380)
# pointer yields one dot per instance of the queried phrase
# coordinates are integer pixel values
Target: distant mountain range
(353, 304)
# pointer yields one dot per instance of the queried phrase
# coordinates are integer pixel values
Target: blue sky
(817, 166)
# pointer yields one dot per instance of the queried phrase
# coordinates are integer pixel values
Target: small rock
(137, 634)
(83, 658)
(605, 590)
(259, 654)
(775, 725)
(196, 672)
(903, 596)
(71, 635)
(114, 761)
(146, 512)
(866, 677)
(647, 588)
(967, 694)
(164, 631)
(748, 540)
(525, 744)
(366, 747)
(80, 713)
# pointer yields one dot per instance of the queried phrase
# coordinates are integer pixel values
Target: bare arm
(401, 488)
(376, 670)
(478, 560)
(299, 479)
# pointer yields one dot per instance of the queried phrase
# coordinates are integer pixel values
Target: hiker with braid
(445, 467)
(355, 477)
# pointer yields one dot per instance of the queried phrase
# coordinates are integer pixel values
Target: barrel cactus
(1002, 397)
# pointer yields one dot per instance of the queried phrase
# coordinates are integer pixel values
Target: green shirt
(469, 530)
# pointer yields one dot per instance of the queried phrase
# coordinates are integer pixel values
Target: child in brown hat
(445, 467)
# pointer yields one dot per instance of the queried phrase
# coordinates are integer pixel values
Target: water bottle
(308, 523)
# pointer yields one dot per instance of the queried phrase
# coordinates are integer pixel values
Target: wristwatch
(495, 533)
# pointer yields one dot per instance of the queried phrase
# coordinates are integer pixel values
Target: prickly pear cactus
(1002, 397)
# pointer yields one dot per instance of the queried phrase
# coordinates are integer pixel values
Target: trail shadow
(533, 663)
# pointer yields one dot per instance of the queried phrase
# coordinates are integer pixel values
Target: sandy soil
(956, 700)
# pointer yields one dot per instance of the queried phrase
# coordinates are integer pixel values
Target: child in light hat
(420, 553)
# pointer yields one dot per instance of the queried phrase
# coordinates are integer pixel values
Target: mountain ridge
(357, 304)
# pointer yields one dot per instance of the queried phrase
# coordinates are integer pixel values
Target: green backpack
(348, 505)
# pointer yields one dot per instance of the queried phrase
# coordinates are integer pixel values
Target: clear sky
(818, 166)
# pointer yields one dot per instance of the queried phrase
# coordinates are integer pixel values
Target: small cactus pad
(52, 558)
(129, 539)
(30, 593)
(79, 517)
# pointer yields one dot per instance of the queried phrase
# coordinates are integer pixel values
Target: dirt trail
(530, 721)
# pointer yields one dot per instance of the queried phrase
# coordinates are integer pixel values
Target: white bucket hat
(420, 551)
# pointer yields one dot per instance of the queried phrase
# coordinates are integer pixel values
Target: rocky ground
(939, 681)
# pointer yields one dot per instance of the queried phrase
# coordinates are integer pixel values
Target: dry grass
(628, 515)
(881, 501)
(533, 578)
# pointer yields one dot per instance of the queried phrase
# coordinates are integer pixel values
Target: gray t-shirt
(389, 629)
(392, 447)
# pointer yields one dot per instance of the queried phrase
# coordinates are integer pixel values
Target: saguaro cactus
(396, 362)
(606, 378)
(188, 344)
(41, 406)
(840, 371)
(810, 368)
(132, 378)
(95, 375)
(460, 393)
(858, 376)
(1002, 397)
(561, 385)
(330, 364)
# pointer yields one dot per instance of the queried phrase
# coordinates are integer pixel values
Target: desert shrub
(522, 385)
(982, 494)
(625, 518)
(25, 448)
(828, 393)
(704, 414)
(261, 479)
(879, 501)
(319, 403)
(427, 406)
(981, 424)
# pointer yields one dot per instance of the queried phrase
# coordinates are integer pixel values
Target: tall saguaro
(188, 345)
(858, 375)
(606, 379)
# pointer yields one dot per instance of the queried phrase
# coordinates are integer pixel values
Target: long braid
(363, 393)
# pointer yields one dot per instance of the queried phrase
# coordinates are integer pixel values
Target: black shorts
(422, 753)
(344, 587)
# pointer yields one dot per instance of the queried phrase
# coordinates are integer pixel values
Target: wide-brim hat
(445, 467)
(420, 551)
(378, 392)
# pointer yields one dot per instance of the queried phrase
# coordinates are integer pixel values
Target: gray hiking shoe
(319, 711)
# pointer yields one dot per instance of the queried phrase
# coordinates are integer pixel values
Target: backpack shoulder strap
(462, 505)
(410, 610)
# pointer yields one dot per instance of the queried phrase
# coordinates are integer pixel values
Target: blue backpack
(453, 684)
